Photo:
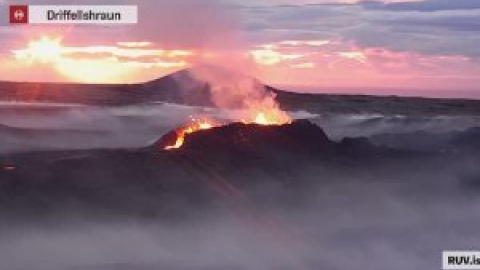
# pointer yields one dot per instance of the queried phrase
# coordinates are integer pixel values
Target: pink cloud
(341, 64)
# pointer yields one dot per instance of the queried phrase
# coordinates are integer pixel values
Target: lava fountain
(267, 117)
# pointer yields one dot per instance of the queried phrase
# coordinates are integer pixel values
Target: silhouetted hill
(166, 89)
(182, 88)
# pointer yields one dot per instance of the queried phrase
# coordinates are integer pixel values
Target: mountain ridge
(172, 89)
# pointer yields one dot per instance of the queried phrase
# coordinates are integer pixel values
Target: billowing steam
(222, 60)
(236, 90)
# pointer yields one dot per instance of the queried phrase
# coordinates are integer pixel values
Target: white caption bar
(72, 14)
(461, 260)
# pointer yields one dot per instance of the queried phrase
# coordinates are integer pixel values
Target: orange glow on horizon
(101, 64)
(312, 63)
(44, 50)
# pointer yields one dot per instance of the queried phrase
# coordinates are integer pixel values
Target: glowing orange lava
(268, 117)
(265, 116)
(196, 125)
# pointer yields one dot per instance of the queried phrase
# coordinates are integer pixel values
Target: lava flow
(196, 125)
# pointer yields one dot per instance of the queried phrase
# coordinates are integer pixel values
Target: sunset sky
(429, 47)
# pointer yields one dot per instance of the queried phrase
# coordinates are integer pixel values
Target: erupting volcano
(241, 97)
(273, 117)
